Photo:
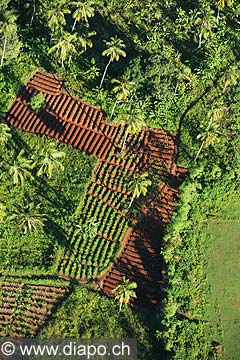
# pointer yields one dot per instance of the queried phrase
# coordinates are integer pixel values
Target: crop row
(113, 176)
(111, 195)
(110, 221)
(95, 255)
(24, 308)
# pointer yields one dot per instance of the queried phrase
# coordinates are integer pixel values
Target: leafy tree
(184, 76)
(56, 16)
(184, 22)
(37, 101)
(93, 72)
(122, 91)
(87, 229)
(113, 52)
(221, 5)
(124, 291)
(230, 77)
(84, 40)
(5, 134)
(211, 135)
(33, 7)
(8, 30)
(21, 168)
(65, 47)
(28, 217)
(133, 121)
(139, 186)
(205, 21)
(50, 161)
(84, 10)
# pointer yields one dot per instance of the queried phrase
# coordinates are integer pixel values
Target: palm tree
(139, 186)
(114, 51)
(56, 17)
(21, 169)
(133, 121)
(84, 40)
(84, 10)
(50, 161)
(221, 5)
(87, 230)
(65, 47)
(8, 28)
(122, 91)
(124, 291)
(28, 217)
(206, 21)
(211, 134)
(5, 134)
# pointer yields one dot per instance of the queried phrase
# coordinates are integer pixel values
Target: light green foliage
(122, 90)
(65, 47)
(114, 50)
(5, 134)
(205, 22)
(222, 273)
(133, 122)
(28, 217)
(125, 291)
(139, 186)
(84, 10)
(21, 169)
(185, 319)
(29, 253)
(87, 230)
(37, 102)
(25, 227)
(2, 212)
(50, 161)
(10, 44)
(56, 14)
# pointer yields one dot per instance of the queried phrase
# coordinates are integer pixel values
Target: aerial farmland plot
(119, 174)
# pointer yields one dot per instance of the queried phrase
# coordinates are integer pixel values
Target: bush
(37, 102)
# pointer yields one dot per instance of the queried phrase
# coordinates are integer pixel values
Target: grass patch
(223, 275)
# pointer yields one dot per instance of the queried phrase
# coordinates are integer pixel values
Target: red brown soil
(73, 121)
(24, 308)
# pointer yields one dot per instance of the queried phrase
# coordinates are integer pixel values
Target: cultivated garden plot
(114, 234)
(26, 305)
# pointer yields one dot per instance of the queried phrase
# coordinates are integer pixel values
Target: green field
(223, 275)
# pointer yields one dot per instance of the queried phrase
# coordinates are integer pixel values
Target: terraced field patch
(127, 241)
(25, 306)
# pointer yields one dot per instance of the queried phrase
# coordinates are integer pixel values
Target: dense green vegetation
(39, 199)
(181, 62)
(94, 316)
